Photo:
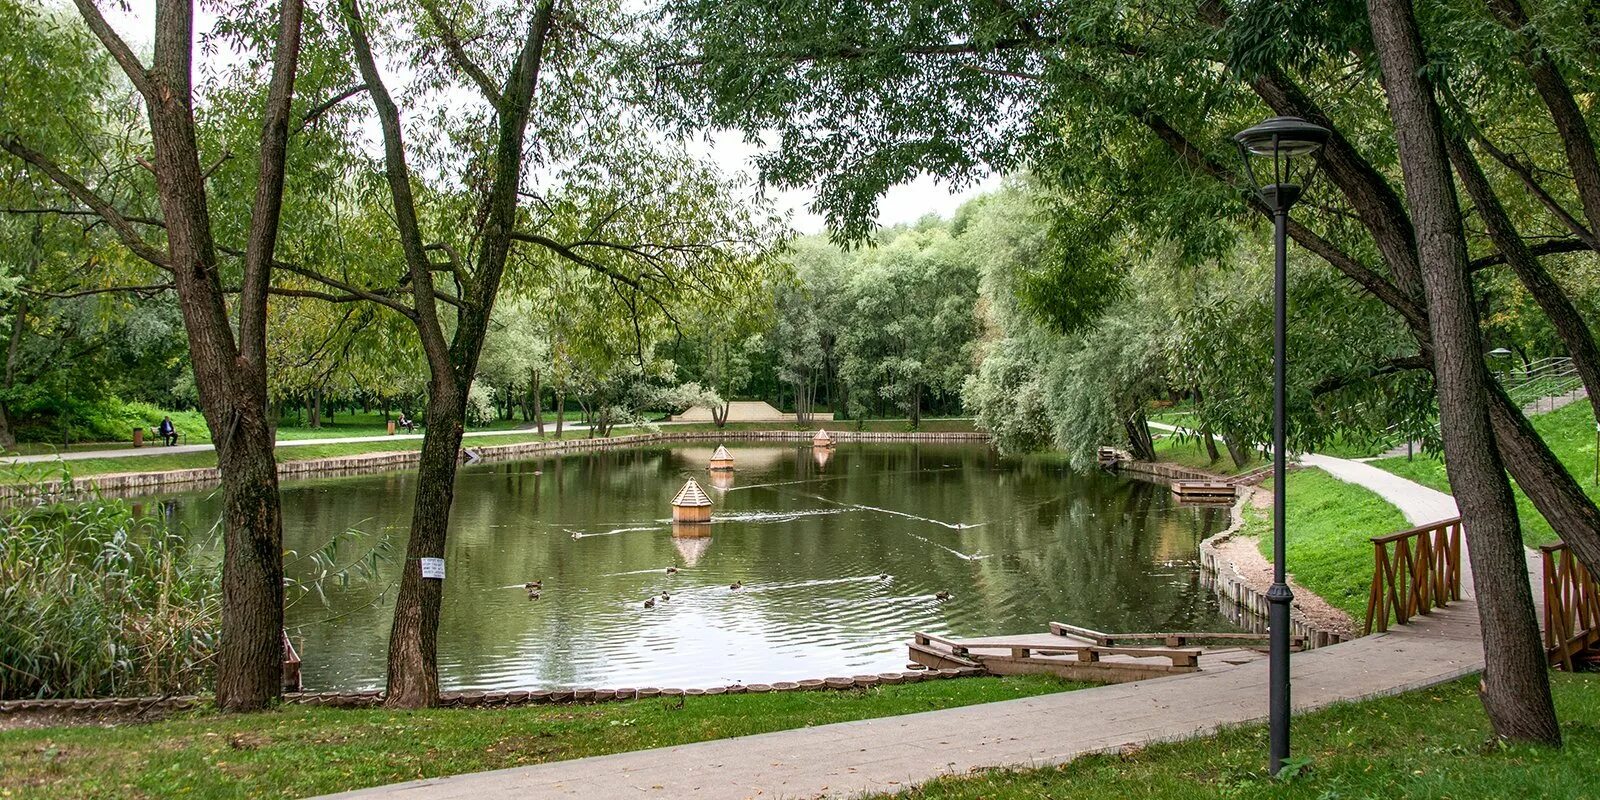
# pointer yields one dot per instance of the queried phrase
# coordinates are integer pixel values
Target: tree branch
(458, 54)
(323, 107)
(146, 291)
(1540, 249)
(83, 194)
(131, 66)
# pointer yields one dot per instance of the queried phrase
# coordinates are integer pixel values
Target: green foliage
(310, 751)
(102, 597)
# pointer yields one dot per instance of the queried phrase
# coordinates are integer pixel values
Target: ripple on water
(1018, 543)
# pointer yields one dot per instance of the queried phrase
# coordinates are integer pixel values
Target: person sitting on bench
(168, 431)
(403, 422)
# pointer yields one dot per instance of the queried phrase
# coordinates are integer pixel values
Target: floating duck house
(822, 439)
(691, 504)
(721, 460)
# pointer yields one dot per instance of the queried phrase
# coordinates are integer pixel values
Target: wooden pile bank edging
(489, 699)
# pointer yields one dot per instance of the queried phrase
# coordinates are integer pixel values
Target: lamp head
(1280, 156)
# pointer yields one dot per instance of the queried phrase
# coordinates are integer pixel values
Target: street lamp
(1279, 157)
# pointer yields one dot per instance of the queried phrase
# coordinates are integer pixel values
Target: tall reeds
(98, 598)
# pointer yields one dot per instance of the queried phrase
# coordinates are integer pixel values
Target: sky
(904, 203)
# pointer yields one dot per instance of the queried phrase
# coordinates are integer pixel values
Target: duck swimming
(941, 595)
(665, 596)
(736, 585)
(672, 570)
(651, 603)
(533, 585)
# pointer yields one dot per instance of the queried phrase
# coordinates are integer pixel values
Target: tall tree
(229, 369)
(1515, 691)
(538, 79)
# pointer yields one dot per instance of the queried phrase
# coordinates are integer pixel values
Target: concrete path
(1419, 504)
(158, 450)
(894, 753)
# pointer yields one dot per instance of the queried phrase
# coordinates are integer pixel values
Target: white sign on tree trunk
(433, 568)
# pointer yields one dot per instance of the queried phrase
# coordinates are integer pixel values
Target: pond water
(1017, 543)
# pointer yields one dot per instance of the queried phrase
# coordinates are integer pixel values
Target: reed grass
(97, 599)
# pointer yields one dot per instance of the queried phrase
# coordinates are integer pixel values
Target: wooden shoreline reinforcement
(497, 698)
(132, 483)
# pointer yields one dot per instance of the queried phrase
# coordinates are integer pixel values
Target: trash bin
(391, 427)
(138, 437)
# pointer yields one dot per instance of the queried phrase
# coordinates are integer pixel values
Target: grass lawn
(1570, 433)
(1190, 451)
(1426, 744)
(1329, 524)
(296, 752)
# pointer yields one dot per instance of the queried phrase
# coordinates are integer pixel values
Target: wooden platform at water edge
(1081, 654)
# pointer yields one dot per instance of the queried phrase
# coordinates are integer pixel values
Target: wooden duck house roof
(691, 495)
(821, 437)
(722, 454)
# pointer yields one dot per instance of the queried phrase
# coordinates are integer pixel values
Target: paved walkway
(895, 753)
(1419, 504)
(158, 450)
(891, 754)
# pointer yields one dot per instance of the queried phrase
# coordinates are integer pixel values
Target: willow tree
(227, 349)
(1136, 102)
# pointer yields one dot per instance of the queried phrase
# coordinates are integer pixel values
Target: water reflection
(1017, 543)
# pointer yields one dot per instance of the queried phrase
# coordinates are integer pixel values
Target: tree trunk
(538, 413)
(1140, 443)
(1576, 139)
(916, 405)
(1563, 315)
(1548, 484)
(561, 408)
(1515, 688)
(413, 639)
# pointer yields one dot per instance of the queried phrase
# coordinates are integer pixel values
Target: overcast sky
(904, 203)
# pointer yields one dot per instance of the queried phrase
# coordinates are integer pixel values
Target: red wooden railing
(1414, 572)
(1571, 606)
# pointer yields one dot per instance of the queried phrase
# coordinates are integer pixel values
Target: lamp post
(1286, 145)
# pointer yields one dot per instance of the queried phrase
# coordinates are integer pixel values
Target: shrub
(97, 598)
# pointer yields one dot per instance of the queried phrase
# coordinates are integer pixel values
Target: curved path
(891, 754)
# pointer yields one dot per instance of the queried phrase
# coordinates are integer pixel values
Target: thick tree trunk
(1238, 449)
(414, 637)
(1515, 688)
(1546, 481)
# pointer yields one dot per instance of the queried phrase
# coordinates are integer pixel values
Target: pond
(840, 560)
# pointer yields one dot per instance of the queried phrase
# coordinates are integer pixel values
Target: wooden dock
(1205, 491)
(1081, 654)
